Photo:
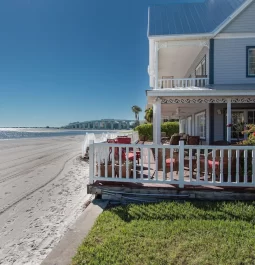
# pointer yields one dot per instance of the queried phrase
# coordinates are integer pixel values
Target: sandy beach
(42, 192)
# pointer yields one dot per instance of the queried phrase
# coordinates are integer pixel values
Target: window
(251, 61)
(200, 125)
(201, 68)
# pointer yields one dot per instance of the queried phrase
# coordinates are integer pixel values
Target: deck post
(91, 161)
(229, 120)
(157, 121)
(181, 164)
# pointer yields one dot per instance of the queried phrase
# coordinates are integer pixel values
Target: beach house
(201, 72)
(202, 67)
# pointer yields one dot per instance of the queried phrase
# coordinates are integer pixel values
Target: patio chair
(193, 140)
(217, 162)
(175, 139)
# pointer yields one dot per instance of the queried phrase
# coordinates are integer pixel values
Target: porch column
(229, 120)
(157, 121)
(156, 65)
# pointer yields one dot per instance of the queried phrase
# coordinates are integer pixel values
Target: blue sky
(72, 60)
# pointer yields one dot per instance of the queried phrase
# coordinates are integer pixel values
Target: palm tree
(149, 115)
(136, 110)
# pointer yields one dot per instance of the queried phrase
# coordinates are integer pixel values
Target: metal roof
(186, 17)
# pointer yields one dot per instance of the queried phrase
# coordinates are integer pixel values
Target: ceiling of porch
(176, 60)
(179, 111)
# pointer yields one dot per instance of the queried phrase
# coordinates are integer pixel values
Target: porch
(179, 166)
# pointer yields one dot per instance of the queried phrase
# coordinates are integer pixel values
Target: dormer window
(251, 61)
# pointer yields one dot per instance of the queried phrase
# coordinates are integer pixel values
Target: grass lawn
(172, 233)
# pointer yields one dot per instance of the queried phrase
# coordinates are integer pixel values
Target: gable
(244, 22)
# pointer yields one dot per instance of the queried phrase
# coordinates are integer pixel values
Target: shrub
(146, 130)
(170, 128)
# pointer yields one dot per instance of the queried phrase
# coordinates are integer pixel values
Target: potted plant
(123, 170)
(107, 167)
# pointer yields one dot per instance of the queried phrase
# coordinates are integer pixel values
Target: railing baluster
(171, 165)
(113, 161)
(164, 163)
(99, 162)
(206, 165)
(190, 165)
(120, 162)
(253, 167)
(149, 163)
(156, 154)
(213, 166)
(127, 162)
(106, 161)
(237, 165)
(221, 165)
(134, 168)
(141, 162)
(198, 165)
(229, 165)
(245, 165)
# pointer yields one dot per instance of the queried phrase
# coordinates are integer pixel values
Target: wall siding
(245, 22)
(204, 52)
(230, 61)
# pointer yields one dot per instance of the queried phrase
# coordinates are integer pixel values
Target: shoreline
(43, 192)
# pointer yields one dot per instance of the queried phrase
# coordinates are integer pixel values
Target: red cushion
(168, 161)
(210, 163)
(123, 140)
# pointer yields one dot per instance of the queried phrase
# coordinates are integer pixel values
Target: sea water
(17, 133)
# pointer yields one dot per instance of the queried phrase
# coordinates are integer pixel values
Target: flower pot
(123, 170)
(103, 171)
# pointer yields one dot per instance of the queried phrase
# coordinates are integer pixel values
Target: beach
(42, 193)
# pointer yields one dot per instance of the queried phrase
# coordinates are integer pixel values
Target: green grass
(172, 233)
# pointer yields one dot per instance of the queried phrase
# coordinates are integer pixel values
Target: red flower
(254, 134)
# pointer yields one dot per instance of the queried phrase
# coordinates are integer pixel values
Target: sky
(64, 61)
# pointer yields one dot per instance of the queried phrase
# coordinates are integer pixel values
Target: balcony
(183, 83)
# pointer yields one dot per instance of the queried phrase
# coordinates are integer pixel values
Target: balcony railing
(183, 83)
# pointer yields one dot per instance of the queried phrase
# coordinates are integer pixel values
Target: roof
(186, 17)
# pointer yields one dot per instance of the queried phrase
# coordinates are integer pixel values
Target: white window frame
(198, 131)
(248, 62)
(200, 67)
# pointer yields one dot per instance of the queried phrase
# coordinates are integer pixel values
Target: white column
(157, 121)
(156, 65)
(229, 119)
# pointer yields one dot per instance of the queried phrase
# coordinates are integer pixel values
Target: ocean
(17, 133)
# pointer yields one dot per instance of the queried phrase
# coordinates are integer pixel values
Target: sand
(42, 193)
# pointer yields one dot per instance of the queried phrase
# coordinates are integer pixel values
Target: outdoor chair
(174, 140)
(193, 140)
(217, 163)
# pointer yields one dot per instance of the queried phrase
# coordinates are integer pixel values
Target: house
(202, 67)
(202, 72)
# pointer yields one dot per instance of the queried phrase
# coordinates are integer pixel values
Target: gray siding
(245, 22)
(230, 61)
(204, 52)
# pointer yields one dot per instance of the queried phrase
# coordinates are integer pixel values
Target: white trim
(202, 36)
(232, 17)
(235, 36)
(198, 93)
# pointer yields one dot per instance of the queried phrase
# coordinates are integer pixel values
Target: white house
(202, 66)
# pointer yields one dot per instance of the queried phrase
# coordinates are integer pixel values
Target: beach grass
(172, 233)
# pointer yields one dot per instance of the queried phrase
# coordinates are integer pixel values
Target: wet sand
(42, 192)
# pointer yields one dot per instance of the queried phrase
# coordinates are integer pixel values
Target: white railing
(181, 165)
(182, 83)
